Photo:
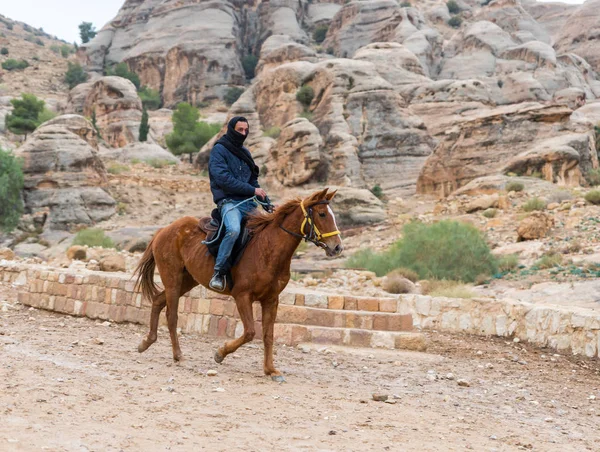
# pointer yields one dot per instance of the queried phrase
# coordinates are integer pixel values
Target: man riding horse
(233, 182)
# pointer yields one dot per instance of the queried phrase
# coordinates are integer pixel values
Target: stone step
(364, 320)
(292, 334)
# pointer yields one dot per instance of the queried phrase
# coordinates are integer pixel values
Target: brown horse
(261, 274)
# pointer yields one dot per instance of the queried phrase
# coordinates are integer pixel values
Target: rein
(313, 235)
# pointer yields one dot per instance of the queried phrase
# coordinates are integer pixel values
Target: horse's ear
(330, 195)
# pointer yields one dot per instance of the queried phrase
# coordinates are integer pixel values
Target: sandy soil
(71, 384)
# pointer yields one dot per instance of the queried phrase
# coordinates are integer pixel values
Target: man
(233, 179)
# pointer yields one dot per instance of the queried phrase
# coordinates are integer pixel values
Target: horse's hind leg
(244, 306)
(159, 302)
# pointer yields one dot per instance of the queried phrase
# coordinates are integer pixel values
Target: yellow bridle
(308, 219)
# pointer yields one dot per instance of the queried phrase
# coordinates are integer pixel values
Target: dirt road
(73, 384)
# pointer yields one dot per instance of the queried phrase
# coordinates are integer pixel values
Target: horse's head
(319, 224)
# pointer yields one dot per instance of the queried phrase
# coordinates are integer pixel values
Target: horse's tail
(145, 273)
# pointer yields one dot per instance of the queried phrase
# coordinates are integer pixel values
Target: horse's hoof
(278, 378)
(142, 347)
(178, 358)
(218, 357)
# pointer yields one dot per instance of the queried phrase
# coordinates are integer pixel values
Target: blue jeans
(232, 220)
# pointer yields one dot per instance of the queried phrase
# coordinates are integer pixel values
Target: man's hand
(260, 193)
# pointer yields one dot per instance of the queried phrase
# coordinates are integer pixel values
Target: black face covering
(233, 141)
(234, 136)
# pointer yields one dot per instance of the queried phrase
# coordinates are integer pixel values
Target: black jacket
(230, 176)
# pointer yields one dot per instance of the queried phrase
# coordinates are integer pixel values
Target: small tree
(75, 75)
(453, 7)
(249, 63)
(4, 51)
(232, 95)
(11, 184)
(188, 134)
(144, 126)
(150, 98)
(25, 115)
(305, 95)
(87, 31)
(455, 22)
(320, 33)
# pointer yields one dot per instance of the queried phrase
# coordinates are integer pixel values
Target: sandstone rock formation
(117, 107)
(399, 97)
(64, 174)
(535, 226)
(355, 207)
(579, 34)
(143, 152)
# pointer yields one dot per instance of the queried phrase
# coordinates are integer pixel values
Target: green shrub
(232, 95)
(39, 42)
(485, 2)
(249, 63)
(150, 98)
(122, 70)
(377, 191)
(405, 5)
(508, 262)
(4, 51)
(534, 204)
(514, 186)
(10, 26)
(453, 7)
(55, 48)
(272, 132)
(11, 184)
(93, 237)
(593, 197)
(549, 260)
(455, 22)
(65, 50)
(14, 65)
(75, 75)
(117, 168)
(320, 33)
(444, 250)
(490, 213)
(305, 95)
(593, 177)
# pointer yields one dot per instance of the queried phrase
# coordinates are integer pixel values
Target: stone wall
(311, 316)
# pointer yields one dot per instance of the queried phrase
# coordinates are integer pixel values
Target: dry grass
(445, 288)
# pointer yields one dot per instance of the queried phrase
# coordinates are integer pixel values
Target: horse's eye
(322, 214)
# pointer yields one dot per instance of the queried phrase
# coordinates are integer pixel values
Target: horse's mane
(258, 220)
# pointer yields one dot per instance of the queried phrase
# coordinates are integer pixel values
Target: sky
(62, 17)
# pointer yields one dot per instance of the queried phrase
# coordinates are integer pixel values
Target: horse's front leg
(269, 313)
(244, 306)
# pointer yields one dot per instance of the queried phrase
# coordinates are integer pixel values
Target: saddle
(211, 226)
